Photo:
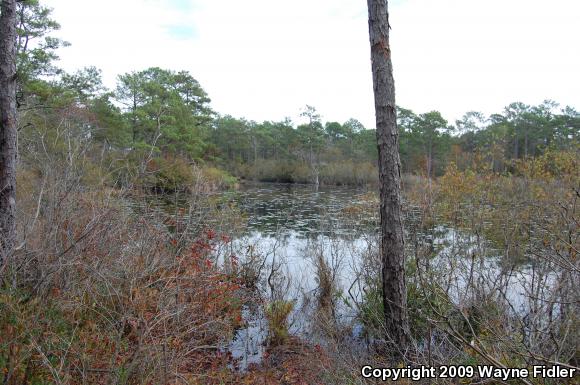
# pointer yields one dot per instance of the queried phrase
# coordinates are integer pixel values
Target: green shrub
(168, 175)
(421, 305)
(346, 172)
(219, 179)
(349, 173)
(371, 312)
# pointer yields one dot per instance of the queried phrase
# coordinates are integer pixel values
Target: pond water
(291, 228)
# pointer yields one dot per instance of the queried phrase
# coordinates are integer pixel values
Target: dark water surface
(278, 209)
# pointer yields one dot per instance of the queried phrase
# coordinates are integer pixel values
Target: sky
(267, 59)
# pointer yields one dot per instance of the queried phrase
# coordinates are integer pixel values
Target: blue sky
(181, 31)
(182, 5)
(266, 59)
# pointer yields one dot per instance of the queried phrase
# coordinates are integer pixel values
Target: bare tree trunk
(526, 142)
(8, 128)
(516, 143)
(430, 158)
(392, 243)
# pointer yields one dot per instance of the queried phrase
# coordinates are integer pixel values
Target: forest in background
(158, 122)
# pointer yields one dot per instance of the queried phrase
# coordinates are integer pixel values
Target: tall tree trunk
(392, 243)
(8, 129)
(516, 144)
(134, 118)
(430, 158)
(526, 141)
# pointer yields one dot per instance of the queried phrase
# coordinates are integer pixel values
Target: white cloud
(265, 59)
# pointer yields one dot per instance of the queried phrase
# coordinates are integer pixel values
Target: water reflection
(290, 226)
(280, 210)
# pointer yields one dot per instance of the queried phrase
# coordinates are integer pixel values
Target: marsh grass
(277, 314)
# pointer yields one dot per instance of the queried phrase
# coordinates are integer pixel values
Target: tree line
(165, 117)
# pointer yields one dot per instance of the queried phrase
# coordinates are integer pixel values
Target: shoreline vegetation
(101, 292)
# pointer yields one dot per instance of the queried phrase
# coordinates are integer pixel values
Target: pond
(292, 228)
(304, 210)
